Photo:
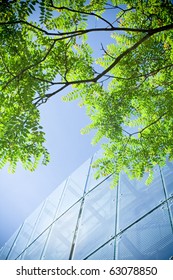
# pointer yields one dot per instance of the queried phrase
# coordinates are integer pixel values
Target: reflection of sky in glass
(136, 199)
(85, 220)
(97, 220)
(150, 238)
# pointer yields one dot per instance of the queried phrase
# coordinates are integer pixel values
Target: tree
(129, 99)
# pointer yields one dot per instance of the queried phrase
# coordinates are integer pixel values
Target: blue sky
(22, 192)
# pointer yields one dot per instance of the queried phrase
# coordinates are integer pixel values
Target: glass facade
(84, 219)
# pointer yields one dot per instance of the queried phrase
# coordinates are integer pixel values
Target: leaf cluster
(127, 91)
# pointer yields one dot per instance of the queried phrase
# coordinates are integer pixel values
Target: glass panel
(150, 238)
(45, 219)
(104, 253)
(97, 221)
(34, 251)
(24, 236)
(21, 241)
(170, 203)
(61, 235)
(167, 172)
(92, 182)
(136, 199)
(4, 252)
(32, 219)
(79, 176)
(56, 195)
(75, 188)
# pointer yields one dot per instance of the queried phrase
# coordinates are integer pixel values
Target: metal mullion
(11, 248)
(116, 217)
(54, 219)
(167, 198)
(80, 214)
(34, 228)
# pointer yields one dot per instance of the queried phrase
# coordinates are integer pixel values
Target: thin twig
(29, 66)
(155, 121)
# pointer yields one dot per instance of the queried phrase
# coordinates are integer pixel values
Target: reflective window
(32, 219)
(97, 223)
(75, 224)
(45, 218)
(61, 235)
(35, 249)
(136, 199)
(92, 182)
(24, 235)
(150, 238)
(70, 197)
(170, 203)
(167, 172)
(5, 250)
(104, 253)
(79, 176)
(21, 240)
(56, 195)
(74, 187)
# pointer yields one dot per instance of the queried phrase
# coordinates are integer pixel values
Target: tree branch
(39, 100)
(116, 61)
(152, 73)
(100, 75)
(29, 67)
(143, 39)
(83, 31)
(152, 123)
(80, 12)
(5, 66)
(142, 130)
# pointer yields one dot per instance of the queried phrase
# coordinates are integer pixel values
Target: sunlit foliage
(129, 99)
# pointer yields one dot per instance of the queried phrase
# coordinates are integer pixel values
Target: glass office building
(84, 219)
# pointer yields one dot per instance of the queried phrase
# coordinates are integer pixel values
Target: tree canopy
(127, 91)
